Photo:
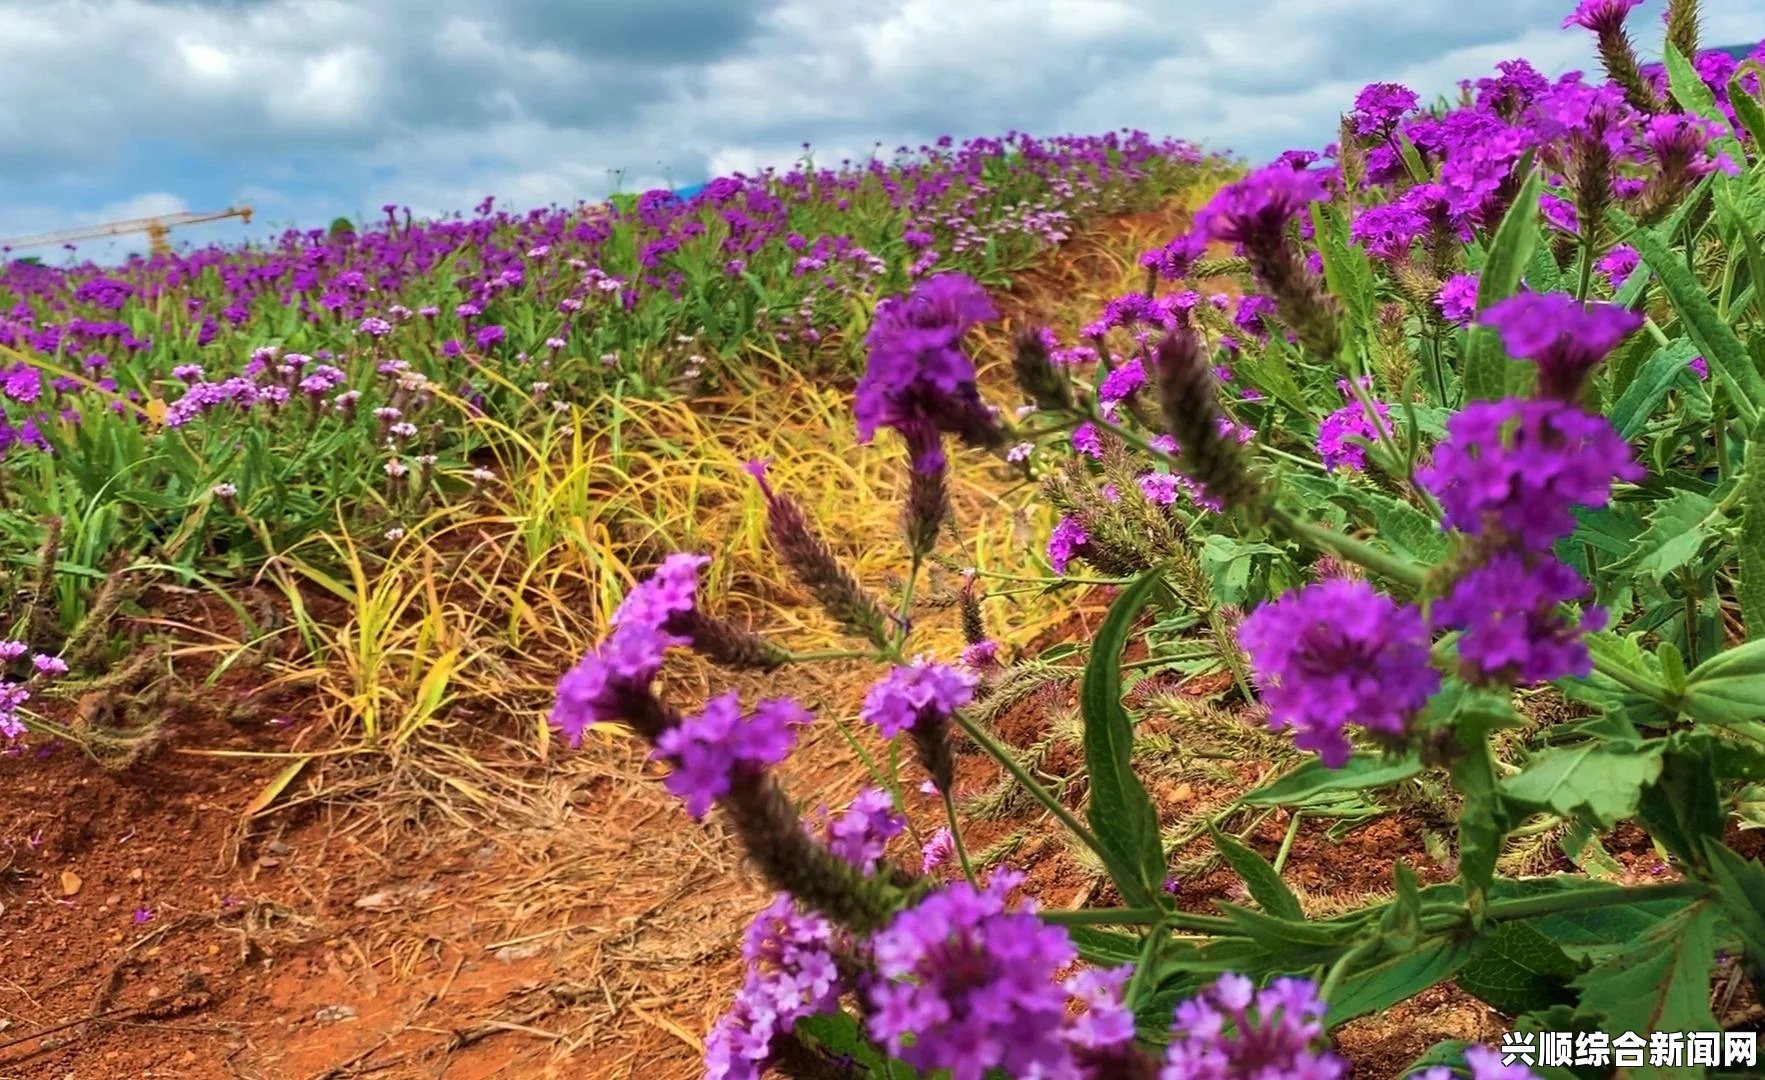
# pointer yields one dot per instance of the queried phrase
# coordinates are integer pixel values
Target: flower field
(1110, 611)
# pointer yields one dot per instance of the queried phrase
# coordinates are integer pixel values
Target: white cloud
(319, 107)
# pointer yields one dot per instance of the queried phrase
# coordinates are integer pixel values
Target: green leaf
(1606, 784)
(839, 1034)
(1746, 109)
(1313, 778)
(1543, 274)
(1678, 526)
(1296, 942)
(1120, 811)
(1368, 990)
(1348, 272)
(1661, 983)
(1517, 969)
(1730, 686)
(1750, 543)
(1265, 886)
(1658, 374)
(1695, 95)
(1486, 363)
(1683, 808)
(1713, 336)
(1104, 948)
(1740, 888)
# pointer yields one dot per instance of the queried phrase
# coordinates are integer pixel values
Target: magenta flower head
(1064, 542)
(1336, 651)
(862, 833)
(1232, 1031)
(790, 975)
(919, 381)
(1484, 1064)
(708, 748)
(920, 698)
(1335, 434)
(1564, 337)
(1379, 106)
(1458, 298)
(1512, 631)
(965, 985)
(1255, 210)
(1519, 467)
(612, 682)
(1601, 16)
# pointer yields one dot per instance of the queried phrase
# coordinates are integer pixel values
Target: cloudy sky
(307, 109)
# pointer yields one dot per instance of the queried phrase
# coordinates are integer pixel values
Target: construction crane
(158, 229)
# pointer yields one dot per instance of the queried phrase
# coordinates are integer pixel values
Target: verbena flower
(920, 698)
(937, 850)
(1458, 298)
(1255, 210)
(1064, 542)
(1087, 441)
(1232, 1031)
(1335, 433)
(1520, 467)
(707, 748)
(1512, 630)
(1106, 1022)
(603, 685)
(1618, 264)
(965, 985)
(1485, 1064)
(1379, 106)
(790, 974)
(1563, 336)
(919, 380)
(1334, 652)
(862, 833)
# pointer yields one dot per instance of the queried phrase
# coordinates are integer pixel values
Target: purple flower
(1086, 440)
(1255, 210)
(488, 336)
(1618, 264)
(1458, 298)
(1600, 16)
(1520, 466)
(1700, 367)
(1064, 542)
(670, 590)
(1348, 422)
(1559, 213)
(1388, 230)
(862, 833)
(1232, 1031)
(967, 986)
(918, 380)
(1507, 609)
(937, 850)
(1379, 106)
(790, 975)
(981, 656)
(50, 666)
(1107, 1022)
(1563, 336)
(916, 695)
(1123, 381)
(1337, 651)
(706, 749)
(604, 683)
(1485, 1064)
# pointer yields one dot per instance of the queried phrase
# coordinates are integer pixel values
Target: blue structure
(1739, 52)
(693, 189)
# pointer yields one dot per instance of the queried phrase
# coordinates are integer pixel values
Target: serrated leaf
(1313, 778)
(1740, 888)
(1683, 808)
(1750, 543)
(1383, 985)
(840, 1035)
(1265, 886)
(1713, 336)
(1678, 526)
(1517, 969)
(1746, 109)
(1486, 363)
(1661, 983)
(1605, 784)
(1657, 375)
(1120, 811)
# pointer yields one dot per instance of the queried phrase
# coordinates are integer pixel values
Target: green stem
(1141, 916)
(956, 838)
(1287, 841)
(1390, 566)
(1148, 953)
(903, 621)
(832, 654)
(1531, 907)
(1041, 794)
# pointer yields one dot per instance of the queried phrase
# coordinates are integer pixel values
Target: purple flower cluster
(1064, 542)
(919, 380)
(1233, 1031)
(1518, 467)
(1351, 422)
(1334, 652)
(1484, 1064)
(1566, 339)
(918, 695)
(1507, 609)
(790, 974)
(14, 693)
(965, 985)
(862, 833)
(601, 687)
(707, 749)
